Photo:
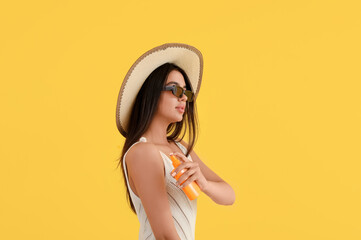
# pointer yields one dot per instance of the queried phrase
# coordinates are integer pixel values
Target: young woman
(156, 102)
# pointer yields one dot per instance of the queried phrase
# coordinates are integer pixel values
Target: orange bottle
(192, 190)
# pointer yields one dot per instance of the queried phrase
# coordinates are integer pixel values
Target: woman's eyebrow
(176, 84)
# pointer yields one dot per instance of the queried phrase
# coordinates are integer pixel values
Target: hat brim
(183, 55)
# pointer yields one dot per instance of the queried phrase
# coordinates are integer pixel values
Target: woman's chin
(178, 118)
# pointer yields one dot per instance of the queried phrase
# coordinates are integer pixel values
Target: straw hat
(183, 55)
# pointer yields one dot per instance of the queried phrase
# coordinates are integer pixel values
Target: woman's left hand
(192, 172)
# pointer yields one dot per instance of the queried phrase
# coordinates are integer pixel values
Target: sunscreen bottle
(192, 190)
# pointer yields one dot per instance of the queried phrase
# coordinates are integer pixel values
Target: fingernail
(173, 174)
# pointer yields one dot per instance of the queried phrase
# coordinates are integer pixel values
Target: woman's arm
(209, 182)
(220, 192)
(145, 165)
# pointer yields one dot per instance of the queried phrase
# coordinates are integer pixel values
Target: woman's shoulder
(143, 162)
(142, 149)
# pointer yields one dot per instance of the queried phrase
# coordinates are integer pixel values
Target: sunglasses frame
(174, 88)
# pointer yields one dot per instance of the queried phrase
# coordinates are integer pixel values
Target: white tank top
(183, 210)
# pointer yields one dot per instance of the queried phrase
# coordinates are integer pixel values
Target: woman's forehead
(176, 77)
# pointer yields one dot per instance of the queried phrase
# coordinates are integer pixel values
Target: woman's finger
(183, 165)
(188, 181)
(181, 156)
(186, 175)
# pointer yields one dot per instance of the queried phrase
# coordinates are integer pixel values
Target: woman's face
(169, 105)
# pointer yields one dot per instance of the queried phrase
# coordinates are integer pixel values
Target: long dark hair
(144, 109)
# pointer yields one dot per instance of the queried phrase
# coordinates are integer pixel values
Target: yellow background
(279, 110)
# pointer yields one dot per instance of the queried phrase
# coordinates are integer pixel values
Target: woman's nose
(184, 97)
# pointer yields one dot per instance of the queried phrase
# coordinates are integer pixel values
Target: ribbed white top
(184, 211)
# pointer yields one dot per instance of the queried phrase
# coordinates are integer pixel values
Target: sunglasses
(179, 91)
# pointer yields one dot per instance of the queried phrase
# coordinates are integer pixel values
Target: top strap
(142, 139)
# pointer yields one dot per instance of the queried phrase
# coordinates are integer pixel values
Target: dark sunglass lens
(189, 95)
(179, 91)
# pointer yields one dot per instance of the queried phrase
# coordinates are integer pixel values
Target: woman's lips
(180, 109)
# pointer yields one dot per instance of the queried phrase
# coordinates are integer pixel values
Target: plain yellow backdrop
(279, 111)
